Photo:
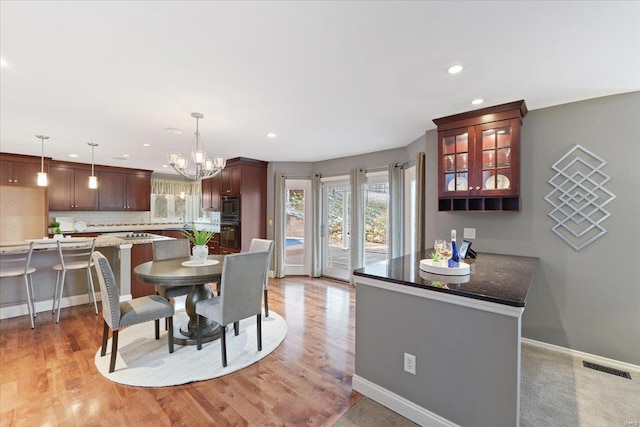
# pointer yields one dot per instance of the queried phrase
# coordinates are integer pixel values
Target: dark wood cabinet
(231, 180)
(479, 159)
(211, 193)
(247, 178)
(69, 188)
(124, 190)
(141, 253)
(20, 170)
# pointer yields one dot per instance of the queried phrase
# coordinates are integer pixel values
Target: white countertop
(101, 242)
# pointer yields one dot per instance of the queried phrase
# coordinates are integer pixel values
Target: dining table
(185, 271)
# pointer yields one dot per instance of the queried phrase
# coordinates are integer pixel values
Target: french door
(336, 239)
(297, 227)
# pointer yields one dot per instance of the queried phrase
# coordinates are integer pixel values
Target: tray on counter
(430, 266)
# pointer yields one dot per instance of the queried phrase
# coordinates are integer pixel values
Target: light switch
(469, 233)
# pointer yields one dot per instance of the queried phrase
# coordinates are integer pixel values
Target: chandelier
(196, 166)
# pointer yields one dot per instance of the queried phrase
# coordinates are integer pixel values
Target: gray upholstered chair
(74, 256)
(240, 297)
(118, 315)
(262, 245)
(15, 261)
(167, 249)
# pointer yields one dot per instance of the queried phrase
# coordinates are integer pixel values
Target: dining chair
(263, 245)
(74, 256)
(167, 249)
(240, 297)
(15, 260)
(118, 315)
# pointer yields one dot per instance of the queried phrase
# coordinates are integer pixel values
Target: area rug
(146, 362)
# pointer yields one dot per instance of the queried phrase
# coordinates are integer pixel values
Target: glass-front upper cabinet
(479, 159)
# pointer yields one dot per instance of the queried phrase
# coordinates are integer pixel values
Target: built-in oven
(230, 235)
(230, 209)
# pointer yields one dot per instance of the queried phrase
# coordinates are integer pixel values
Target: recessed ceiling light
(477, 101)
(455, 69)
(4, 63)
(126, 156)
(173, 130)
(165, 166)
(73, 155)
(271, 135)
(146, 145)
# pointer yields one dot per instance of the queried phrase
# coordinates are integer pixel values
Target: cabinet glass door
(496, 157)
(455, 162)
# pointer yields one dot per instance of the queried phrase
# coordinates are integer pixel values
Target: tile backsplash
(92, 218)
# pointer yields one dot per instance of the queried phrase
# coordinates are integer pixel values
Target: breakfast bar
(443, 350)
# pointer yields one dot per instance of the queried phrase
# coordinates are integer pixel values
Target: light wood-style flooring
(48, 376)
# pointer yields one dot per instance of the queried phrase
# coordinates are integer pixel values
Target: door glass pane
(294, 227)
(376, 200)
(336, 234)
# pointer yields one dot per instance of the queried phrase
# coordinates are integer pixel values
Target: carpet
(556, 390)
(370, 413)
(146, 362)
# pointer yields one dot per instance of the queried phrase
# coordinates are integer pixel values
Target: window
(174, 201)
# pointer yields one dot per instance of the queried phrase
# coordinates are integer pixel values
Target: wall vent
(606, 369)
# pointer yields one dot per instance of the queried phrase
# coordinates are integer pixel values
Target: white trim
(492, 307)
(399, 404)
(625, 366)
(45, 305)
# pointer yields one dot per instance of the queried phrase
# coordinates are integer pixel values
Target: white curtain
(316, 217)
(191, 190)
(420, 202)
(357, 180)
(280, 213)
(168, 186)
(395, 226)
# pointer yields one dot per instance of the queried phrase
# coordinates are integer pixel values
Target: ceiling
(331, 79)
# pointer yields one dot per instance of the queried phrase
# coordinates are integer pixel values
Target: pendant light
(42, 175)
(93, 179)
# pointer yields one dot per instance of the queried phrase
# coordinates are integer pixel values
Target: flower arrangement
(56, 227)
(198, 237)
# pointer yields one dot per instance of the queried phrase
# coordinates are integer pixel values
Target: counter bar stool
(15, 261)
(74, 256)
(262, 245)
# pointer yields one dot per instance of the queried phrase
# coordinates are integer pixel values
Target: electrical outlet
(410, 363)
(469, 233)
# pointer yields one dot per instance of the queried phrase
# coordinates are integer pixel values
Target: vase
(200, 253)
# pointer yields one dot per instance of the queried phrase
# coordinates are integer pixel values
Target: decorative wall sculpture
(579, 197)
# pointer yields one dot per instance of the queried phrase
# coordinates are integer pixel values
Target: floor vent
(606, 369)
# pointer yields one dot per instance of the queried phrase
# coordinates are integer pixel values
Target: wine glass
(438, 245)
(446, 252)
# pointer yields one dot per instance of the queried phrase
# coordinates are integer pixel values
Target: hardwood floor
(48, 376)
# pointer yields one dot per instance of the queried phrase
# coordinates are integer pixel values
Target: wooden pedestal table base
(171, 273)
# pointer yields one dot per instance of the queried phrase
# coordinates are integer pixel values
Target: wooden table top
(171, 272)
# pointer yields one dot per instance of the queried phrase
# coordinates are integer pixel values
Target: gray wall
(587, 300)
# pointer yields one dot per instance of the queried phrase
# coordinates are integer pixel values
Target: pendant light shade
(93, 179)
(42, 175)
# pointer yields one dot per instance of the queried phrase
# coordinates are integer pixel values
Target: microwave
(230, 209)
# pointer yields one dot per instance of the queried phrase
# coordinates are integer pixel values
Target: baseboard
(625, 366)
(399, 404)
(45, 305)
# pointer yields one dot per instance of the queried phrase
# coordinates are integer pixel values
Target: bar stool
(14, 262)
(74, 256)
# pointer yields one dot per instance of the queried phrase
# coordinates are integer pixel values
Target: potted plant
(199, 239)
(55, 226)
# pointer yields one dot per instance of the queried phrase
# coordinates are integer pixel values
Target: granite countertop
(101, 242)
(503, 279)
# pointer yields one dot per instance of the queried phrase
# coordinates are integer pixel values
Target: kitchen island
(464, 333)
(116, 247)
